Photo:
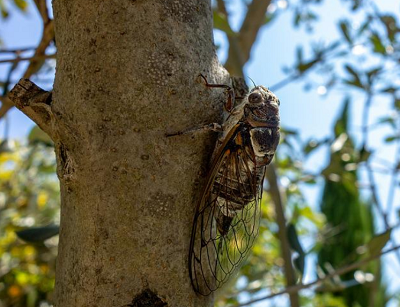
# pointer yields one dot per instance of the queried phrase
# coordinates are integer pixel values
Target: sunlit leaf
(376, 41)
(294, 239)
(3, 9)
(391, 26)
(344, 27)
(21, 4)
(377, 243)
(391, 138)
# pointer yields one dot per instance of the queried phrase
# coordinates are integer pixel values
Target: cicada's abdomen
(237, 182)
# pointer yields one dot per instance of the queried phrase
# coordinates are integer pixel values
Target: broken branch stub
(35, 103)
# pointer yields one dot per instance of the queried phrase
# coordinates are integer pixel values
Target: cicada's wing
(227, 217)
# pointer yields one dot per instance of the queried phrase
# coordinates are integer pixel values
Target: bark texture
(126, 75)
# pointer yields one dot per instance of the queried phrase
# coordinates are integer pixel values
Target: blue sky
(308, 112)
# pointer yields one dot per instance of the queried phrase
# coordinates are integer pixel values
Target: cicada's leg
(210, 127)
(229, 90)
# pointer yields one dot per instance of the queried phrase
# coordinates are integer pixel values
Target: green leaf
(299, 263)
(344, 27)
(269, 18)
(364, 155)
(38, 234)
(391, 138)
(293, 239)
(356, 76)
(21, 4)
(3, 9)
(354, 83)
(397, 103)
(311, 146)
(389, 89)
(390, 24)
(387, 120)
(377, 43)
(341, 123)
(377, 243)
(302, 67)
(374, 71)
(38, 136)
(222, 23)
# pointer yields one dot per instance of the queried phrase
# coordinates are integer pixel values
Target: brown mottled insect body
(227, 217)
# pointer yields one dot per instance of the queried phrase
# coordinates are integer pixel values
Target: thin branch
(254, 20)
(32, 58)
(17, 50)
(282, 232)
(43, 10)
(338, 272)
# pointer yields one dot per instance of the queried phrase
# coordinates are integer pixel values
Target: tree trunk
(126, 75)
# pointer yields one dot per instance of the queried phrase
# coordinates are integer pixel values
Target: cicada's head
(262, 106)
(261, 95)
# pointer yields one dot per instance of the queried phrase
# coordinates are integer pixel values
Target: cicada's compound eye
(255, 98)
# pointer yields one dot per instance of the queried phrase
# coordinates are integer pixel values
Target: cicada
(227, 217)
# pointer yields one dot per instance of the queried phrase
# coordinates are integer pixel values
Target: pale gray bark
(126, 75)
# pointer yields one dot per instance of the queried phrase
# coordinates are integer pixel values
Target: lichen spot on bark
(184, 11)
(161, 67)
(147, 298)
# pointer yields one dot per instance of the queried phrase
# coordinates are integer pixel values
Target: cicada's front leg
(229, 91)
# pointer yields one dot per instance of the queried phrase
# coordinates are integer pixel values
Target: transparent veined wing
(227, 217)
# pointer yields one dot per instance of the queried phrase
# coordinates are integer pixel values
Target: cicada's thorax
(263, 122)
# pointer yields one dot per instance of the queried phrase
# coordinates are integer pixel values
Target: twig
(282, 232)
(43, 11)
(338, 272)
(17, 50)
(32, 58)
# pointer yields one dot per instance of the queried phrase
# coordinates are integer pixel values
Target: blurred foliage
(350, 225)
(29, 196)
